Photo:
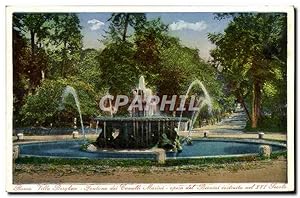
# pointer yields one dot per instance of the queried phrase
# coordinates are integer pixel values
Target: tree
(89, 69)
(67, 40)
(248, 51)
(37, 25)
(120, 22)
(34, 26)
(119, 70)
(20, 63)
(180, 66)
(55, 42)
(44, 107)
(40, 41)
(168, 66)
(149, 40)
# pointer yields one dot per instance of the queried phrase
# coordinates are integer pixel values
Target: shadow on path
(235, 123)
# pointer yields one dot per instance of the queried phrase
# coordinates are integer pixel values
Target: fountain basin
(138, 132)
(201, 148)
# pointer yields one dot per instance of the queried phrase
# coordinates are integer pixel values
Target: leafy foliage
(89, 69)
(45, 106)
(120, 23)
(251, 53)
(248, 66)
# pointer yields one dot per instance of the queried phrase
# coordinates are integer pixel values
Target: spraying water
(147, 95)
(142, 84)
(70, 90)
(202, 101)
(111, 111)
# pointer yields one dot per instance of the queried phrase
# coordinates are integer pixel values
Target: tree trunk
(245, 107)
(31, 62)
(256, 100)
(125, 27)
(32, 43)
(63, 73)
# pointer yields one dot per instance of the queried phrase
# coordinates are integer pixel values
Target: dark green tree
(44, 106)
(120, 23)
(66, 41)
(250, 51)
(119, 70)
(34, 27)
(89, 68)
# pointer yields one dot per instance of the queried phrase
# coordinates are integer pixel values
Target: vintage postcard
(150, 99)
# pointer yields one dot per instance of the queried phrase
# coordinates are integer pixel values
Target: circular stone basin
(199, 149)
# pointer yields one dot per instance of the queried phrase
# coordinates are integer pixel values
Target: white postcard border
(155, 187)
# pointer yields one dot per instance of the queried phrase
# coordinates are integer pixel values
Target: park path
(235, 123)
(232, 127)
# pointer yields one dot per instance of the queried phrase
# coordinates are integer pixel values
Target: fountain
(70, 90)
(144, 128)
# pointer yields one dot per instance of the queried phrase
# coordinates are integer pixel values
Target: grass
(144, 170)
(143, 162)
(69, 161)
(279, 154)
(268, 125)
(61, 167)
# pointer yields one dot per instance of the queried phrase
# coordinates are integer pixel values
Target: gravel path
(256, 171)
(235, 123)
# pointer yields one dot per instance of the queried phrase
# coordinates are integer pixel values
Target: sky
(191, 28)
